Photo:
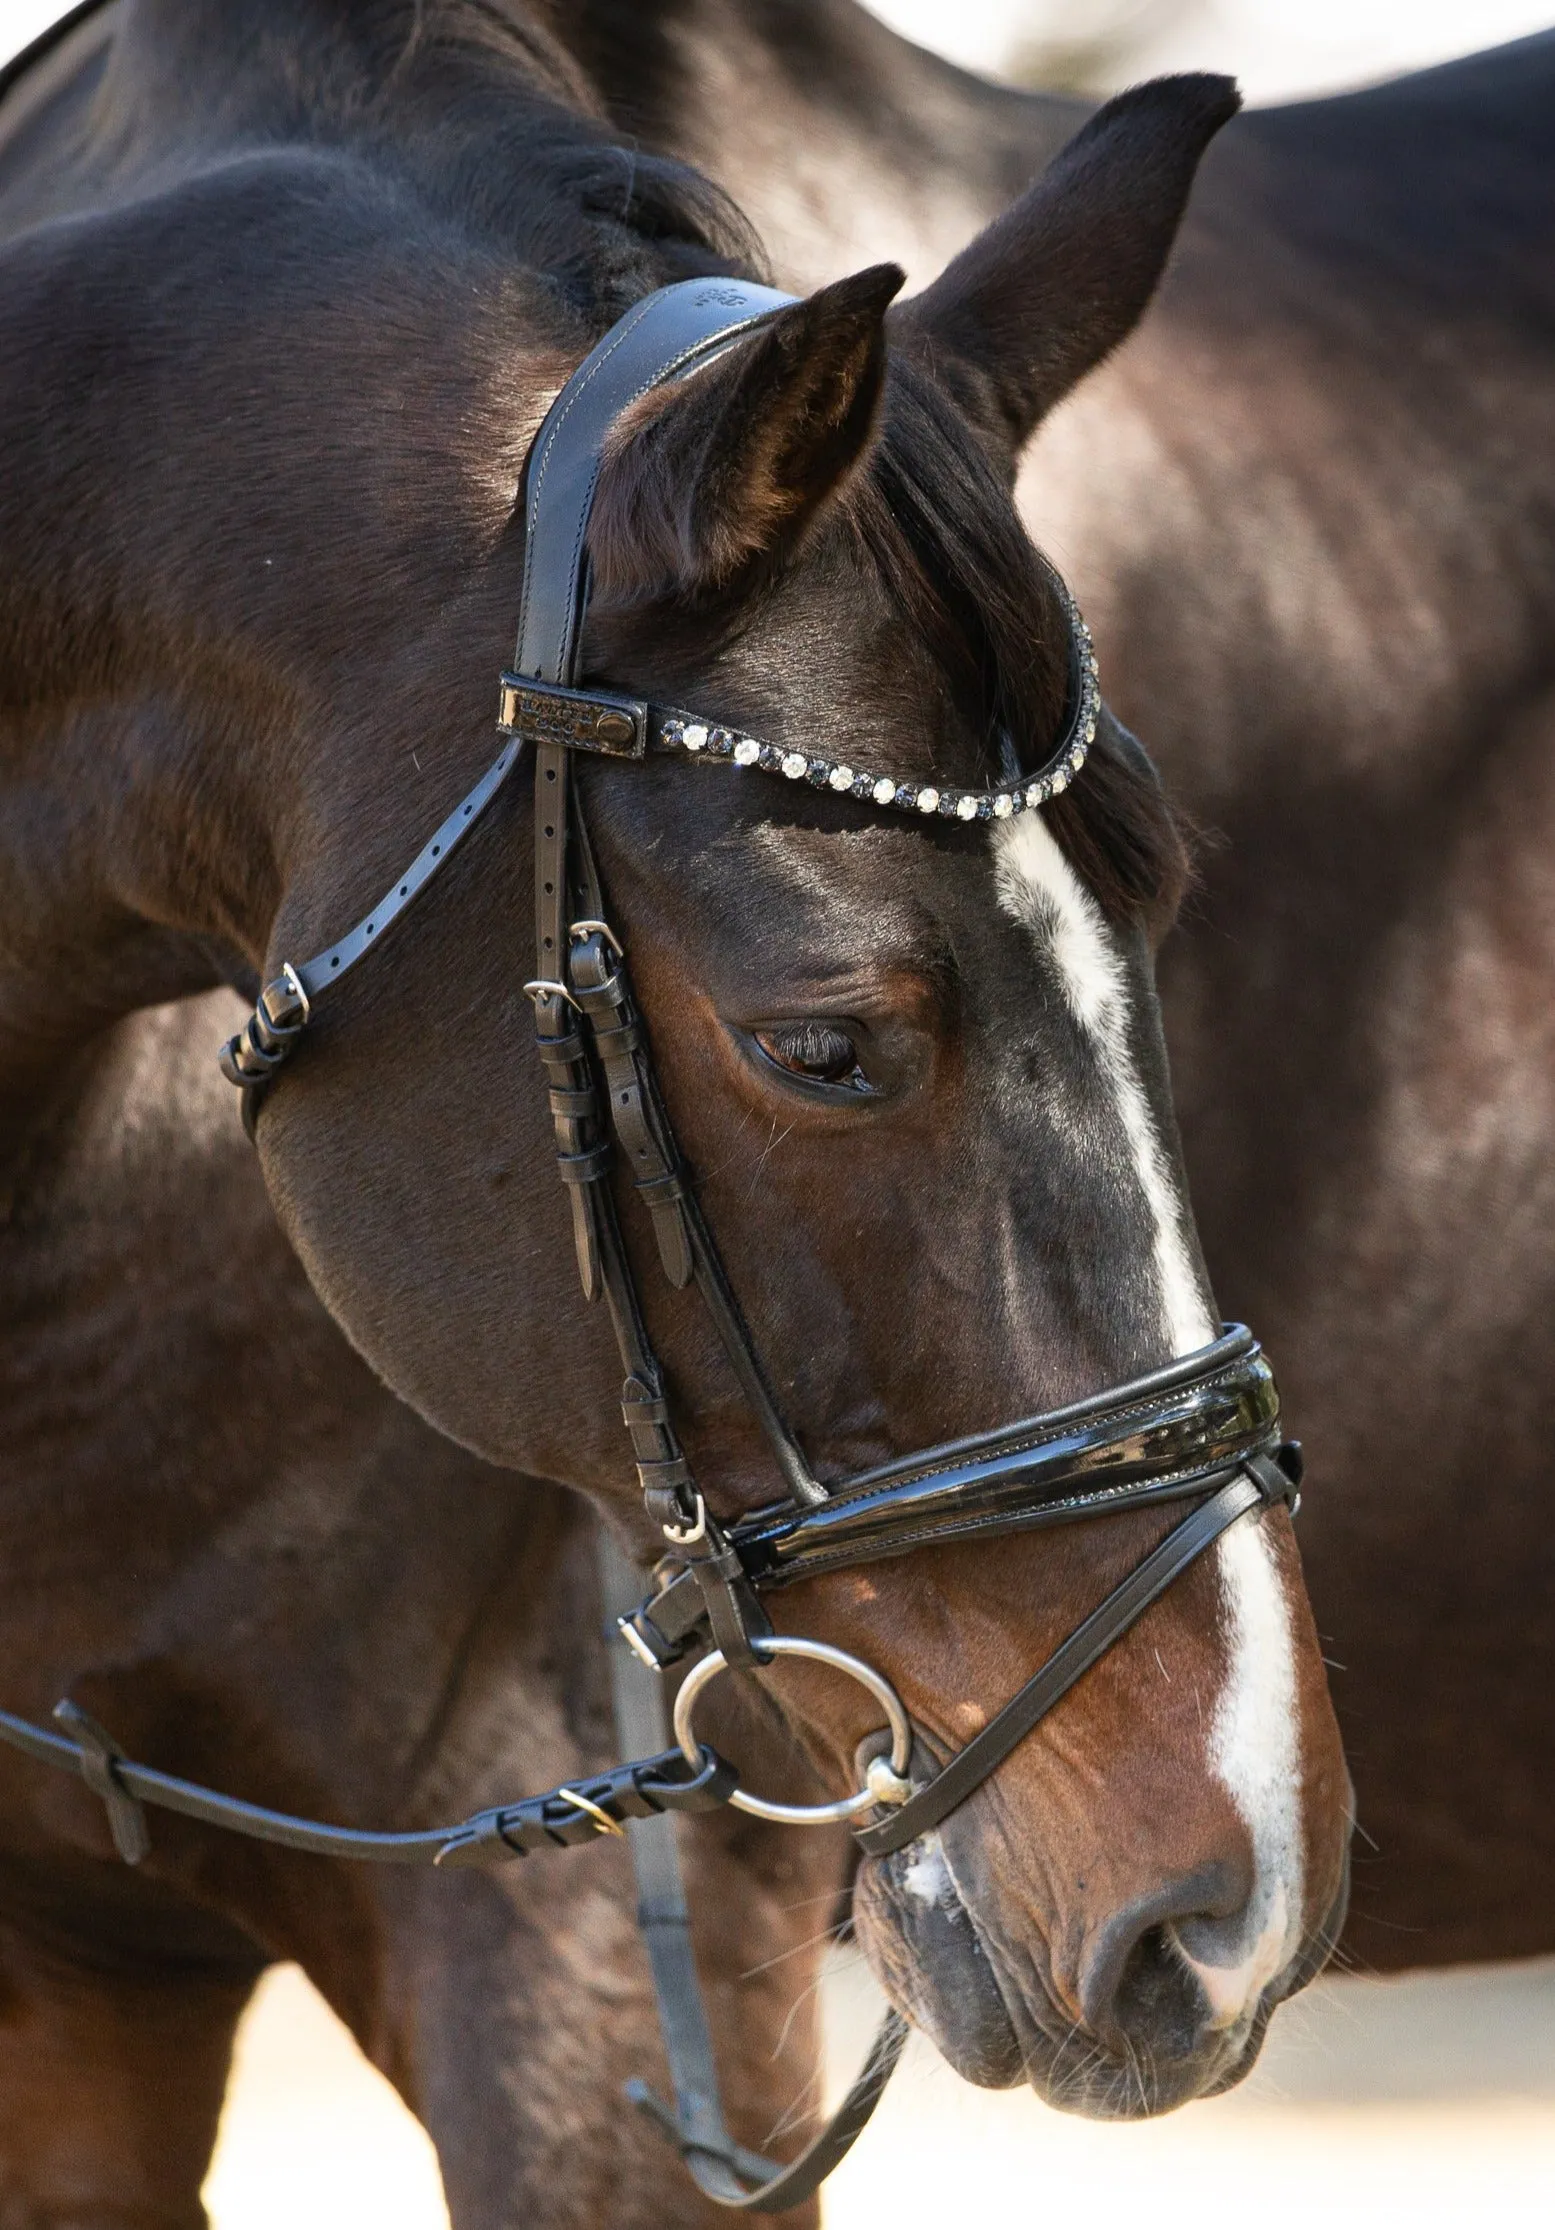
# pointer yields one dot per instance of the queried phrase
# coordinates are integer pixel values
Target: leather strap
(578, 1813)
(665, 334)
(1175, 1434)
(603, 990)
(1091, 1639)
(707, 1265)
(726, 2171)
(100, 1763)
(662, 335)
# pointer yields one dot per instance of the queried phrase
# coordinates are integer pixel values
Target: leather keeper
(620, 1037)
(666, 1475)
(665, 1505)
(643, 1409)
(559, 1054)
(734, 1611)
(240, 1063)
(280, 1010)
(610, 991)
(662, 1192)
(586, 1168)
(1277, 1479)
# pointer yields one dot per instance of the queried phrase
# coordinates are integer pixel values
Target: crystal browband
(627, 728)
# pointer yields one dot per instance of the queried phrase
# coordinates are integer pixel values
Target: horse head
(915, 1064)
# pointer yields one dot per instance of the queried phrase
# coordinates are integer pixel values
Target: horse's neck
(144, 87)
(226, 515)
(841, 142)
(108, 904)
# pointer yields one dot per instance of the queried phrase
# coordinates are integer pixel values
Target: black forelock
(937, 523)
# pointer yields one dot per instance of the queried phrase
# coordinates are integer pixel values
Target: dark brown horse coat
(286, 291)
(1310, 506)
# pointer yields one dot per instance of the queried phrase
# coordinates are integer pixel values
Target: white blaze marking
(1253, 1740)
(1040, 888)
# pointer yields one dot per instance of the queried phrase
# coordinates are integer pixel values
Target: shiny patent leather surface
(1146, 1442)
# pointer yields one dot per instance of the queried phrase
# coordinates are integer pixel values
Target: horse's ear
(1054, 285)
(709, 472)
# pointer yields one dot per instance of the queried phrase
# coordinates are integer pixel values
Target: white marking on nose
(1254, 1736)
(1255, 1749)
(1234, 1992)
(1040, 888)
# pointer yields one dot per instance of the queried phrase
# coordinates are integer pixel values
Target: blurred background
(1429, 2100)
(1280, 49)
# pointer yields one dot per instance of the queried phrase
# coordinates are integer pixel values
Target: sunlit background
(1280, 49)
(1429, 2101)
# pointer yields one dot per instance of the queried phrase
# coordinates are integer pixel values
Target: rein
(1204, 1430)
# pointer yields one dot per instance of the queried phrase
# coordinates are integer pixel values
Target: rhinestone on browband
(705, 740)
(626, 727)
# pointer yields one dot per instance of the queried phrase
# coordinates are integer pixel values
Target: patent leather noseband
(1202, 1432)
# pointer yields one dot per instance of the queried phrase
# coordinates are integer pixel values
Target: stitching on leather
(573, 400)
(1142, 1408)
(651, 379)
(826, 1560)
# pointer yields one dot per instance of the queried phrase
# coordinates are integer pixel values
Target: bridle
(1203, 1431)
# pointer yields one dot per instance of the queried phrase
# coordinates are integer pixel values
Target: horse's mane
(524, 150)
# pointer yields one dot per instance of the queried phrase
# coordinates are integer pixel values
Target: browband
(619, 727)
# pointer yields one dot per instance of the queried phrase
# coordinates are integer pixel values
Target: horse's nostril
(1158, 2002)
(1137, 1988)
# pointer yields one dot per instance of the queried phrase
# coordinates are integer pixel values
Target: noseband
(1203, 1431)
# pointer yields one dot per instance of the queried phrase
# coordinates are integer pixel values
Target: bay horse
(1309, 506)
(293, 1444)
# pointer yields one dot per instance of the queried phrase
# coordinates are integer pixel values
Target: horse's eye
(819, 1050)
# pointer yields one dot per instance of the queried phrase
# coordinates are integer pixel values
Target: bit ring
(793, 1645)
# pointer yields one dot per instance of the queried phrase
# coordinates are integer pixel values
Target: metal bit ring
(793, 1645)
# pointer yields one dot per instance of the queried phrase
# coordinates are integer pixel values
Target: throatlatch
(1203, 1431)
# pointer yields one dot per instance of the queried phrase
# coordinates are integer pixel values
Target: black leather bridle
(1203, 1431)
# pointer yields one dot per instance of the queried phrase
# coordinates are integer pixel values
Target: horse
(304, 1448)
(1308, 505)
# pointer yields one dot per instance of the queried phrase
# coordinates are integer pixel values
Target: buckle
(683, 1536)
